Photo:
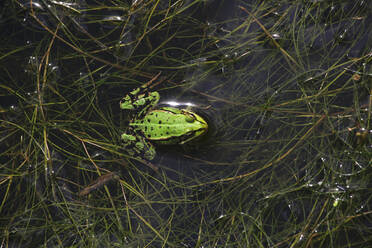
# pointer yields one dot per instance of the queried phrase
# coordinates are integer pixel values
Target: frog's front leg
(140, 99)
(138, 146)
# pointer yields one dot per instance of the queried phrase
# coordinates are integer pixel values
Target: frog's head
(197, 126)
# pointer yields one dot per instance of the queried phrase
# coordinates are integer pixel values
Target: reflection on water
(285, 87)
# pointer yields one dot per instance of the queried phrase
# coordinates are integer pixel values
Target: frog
(151, 125)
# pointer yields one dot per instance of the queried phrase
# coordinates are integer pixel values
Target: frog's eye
(189, 118)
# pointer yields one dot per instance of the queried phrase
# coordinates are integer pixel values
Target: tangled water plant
(285, 86)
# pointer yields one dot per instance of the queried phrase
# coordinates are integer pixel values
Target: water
(285, 87)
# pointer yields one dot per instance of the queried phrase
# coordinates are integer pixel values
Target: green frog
(162, 125)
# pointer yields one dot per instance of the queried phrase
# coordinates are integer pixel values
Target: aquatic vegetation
(285, 87)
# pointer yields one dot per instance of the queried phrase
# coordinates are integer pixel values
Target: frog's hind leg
(140, 99)
(138, 146)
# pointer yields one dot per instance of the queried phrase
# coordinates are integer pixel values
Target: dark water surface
(284, 85)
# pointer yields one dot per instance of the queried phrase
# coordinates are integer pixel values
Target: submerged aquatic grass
(286, 89)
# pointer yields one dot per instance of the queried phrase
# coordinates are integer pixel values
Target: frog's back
(167, 126)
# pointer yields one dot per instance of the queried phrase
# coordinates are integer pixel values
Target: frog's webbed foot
(140, 99)
(138, 146)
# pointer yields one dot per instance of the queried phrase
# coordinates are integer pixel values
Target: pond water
(284, 85)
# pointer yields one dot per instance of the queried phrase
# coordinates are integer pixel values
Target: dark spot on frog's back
(159, 122)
